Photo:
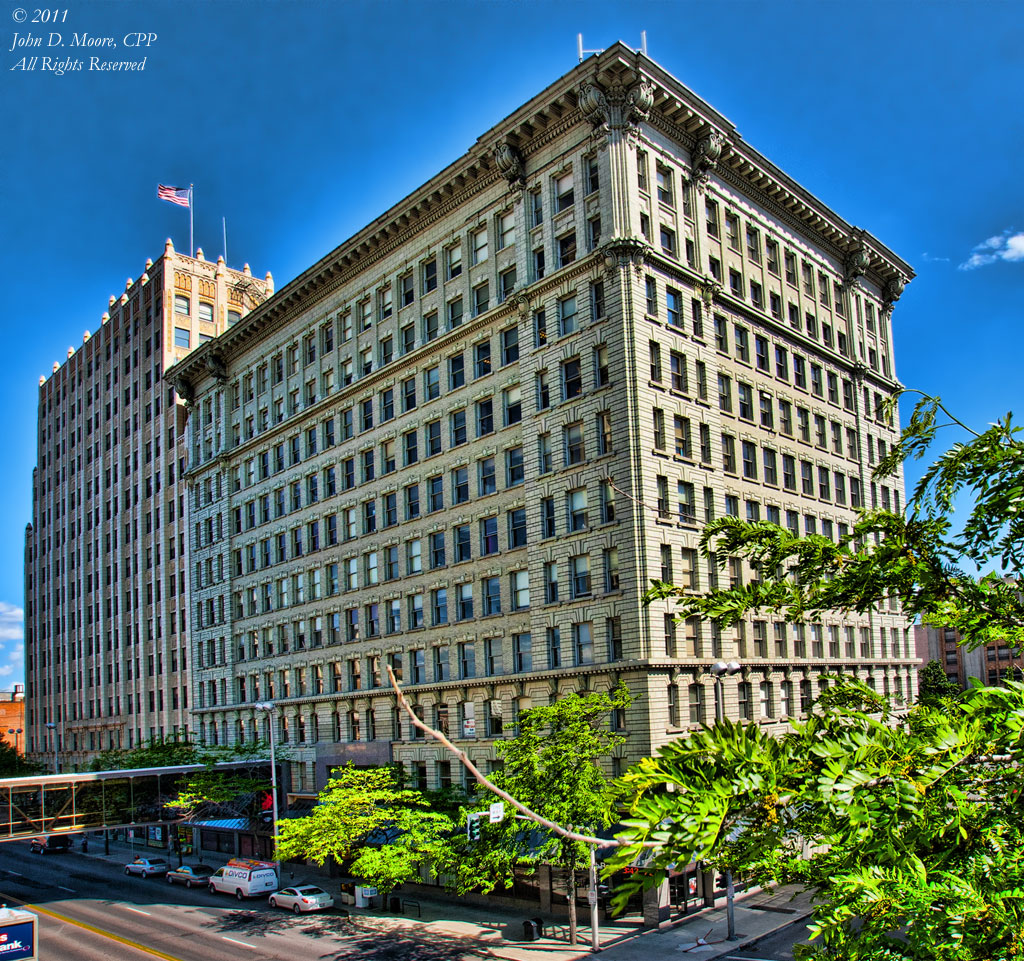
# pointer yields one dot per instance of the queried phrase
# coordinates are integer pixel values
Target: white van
(244, 878)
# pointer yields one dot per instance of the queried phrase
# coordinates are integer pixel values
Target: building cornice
(619, 74)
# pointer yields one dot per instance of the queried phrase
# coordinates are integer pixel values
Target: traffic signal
(473, 826)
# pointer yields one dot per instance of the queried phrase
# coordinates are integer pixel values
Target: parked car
(305, 897)
(189, 874)
(48, 843)
(147, 867)
(244, 878)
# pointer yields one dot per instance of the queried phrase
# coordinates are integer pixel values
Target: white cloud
(5, 670)
(932, 259)
(12, 622)
(1008, 246)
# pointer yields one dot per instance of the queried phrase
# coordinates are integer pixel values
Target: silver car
(146, 867)
(305, 897)
(189, 874)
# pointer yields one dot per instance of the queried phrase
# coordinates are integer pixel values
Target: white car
(305, 897)
(147, 867)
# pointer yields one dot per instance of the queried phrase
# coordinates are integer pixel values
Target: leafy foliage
(365, 817)
(552, 766)
(914, 827)
(15, 764)
(934, 688)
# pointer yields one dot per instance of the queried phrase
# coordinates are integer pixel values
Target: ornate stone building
(465, 441)
(106, 553)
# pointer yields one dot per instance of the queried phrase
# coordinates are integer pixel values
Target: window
(582, 644)
(668, 240)
(478, 245)
(453, 257)
(567, 316)
(579, 575)
(564, 197)
(515, 471)
(487, 482)
(567, 249)
(491, 595)
(482, 358)
(711, 216)
(182, 335)
(574, 447)
(481, 298)
(664, 183)
(572, 379)
(429, 275)
(506, 225)
(536, 208)
(655, 356)
(506, 284)
(509, 346)
(517, 527)
(484, 417)
(455, 313)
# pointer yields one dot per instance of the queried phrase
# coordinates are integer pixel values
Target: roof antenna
(580, 50)
(643, 42)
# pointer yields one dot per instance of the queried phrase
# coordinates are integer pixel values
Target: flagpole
(191, 244)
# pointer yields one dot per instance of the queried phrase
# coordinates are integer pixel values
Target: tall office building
(464, 442)
(106, 616)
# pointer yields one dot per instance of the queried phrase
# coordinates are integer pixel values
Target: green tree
(14, 764)
(552, 766)
(913, 820)
(367, 818)
(934, 687)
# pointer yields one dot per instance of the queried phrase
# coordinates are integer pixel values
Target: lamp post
(16, 731)
(52, 728)
(718, 670)
(270, 708)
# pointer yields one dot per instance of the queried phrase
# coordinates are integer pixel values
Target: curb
(754, 939)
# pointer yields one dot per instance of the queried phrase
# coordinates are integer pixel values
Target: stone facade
(466, 440)
(106, 553)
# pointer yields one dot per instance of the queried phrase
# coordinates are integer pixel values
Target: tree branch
(481, 778)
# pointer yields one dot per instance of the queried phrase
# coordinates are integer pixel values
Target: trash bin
(396, 905)
(530, 932)
(540, 926)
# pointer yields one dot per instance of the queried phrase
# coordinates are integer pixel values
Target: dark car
(189, 874)
(48, 843)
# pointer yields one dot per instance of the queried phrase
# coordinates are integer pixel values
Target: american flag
(174, 195)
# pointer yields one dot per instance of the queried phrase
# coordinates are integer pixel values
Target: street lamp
(270, 708)
(718, 670)
(52, 728)
(16, 731)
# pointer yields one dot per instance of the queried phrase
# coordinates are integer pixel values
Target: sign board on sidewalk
(497, 812)
(17, 935)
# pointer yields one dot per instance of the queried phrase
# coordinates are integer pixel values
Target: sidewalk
(496, 932)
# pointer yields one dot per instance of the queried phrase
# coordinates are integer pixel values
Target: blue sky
(301, 121)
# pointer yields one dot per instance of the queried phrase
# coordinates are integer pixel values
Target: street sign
(17, 935)
(497, 812)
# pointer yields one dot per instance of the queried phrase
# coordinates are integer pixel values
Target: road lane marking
(145, 949)
(136, 910)
(62, 888)
(244, 944)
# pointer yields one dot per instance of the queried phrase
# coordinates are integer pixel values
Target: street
(94, 912)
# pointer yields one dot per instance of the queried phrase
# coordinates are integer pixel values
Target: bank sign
(18, 939)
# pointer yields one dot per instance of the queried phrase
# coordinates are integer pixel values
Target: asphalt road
(90, 910)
